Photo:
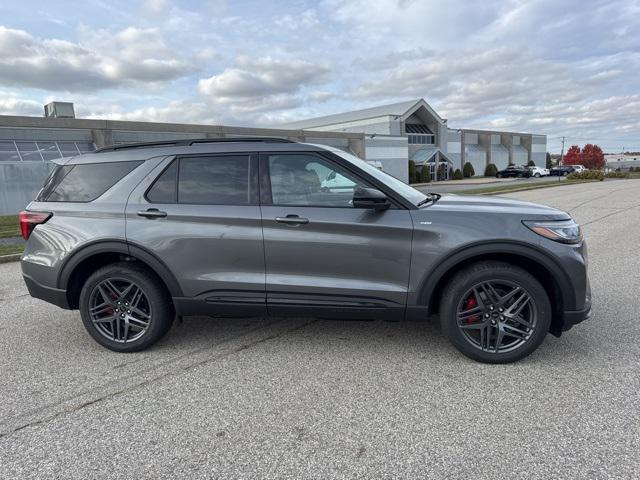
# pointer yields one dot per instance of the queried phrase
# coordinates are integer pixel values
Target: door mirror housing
(370, 198)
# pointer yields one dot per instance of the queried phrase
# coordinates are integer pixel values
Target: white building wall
(392, 152)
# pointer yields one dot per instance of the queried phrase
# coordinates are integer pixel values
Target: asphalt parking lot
(304, 398)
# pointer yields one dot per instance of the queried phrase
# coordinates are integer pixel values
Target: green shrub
(616, 174)
(491, 170)
(586, 175)
(468, 171)
(457, 175)
(413, 173)
(425, 174)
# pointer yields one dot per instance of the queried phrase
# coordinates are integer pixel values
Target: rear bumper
(55, 296)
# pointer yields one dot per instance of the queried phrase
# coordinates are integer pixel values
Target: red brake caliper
(470, 303)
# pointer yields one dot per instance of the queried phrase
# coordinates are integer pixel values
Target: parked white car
(538, 172)
(579, 168)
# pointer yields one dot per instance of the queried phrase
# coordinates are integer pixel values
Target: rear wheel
(124, 308)
(498, 175)
(537, 175)
(495, 312)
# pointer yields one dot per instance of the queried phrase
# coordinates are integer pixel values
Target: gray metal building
(420, 134)
(388, 135)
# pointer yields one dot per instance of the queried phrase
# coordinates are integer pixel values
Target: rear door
(321, 253)
(201, 218)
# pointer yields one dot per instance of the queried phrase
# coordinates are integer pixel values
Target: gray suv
(135, 235)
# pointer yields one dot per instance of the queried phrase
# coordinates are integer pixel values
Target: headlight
(564, 231)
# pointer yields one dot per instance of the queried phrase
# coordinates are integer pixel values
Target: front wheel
(537, 175)
(495, 312)
(124, 308)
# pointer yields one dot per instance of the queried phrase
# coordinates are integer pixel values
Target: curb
(10, 258)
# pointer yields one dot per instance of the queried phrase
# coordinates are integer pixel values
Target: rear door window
(83, 182)
(214, 180)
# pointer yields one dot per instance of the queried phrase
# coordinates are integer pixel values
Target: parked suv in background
(134, 235)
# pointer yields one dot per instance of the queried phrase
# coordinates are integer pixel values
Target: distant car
(538, 172)
(579, 168)
(562, 170)
(514, 171)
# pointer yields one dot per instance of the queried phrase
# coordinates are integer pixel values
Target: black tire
(465, 280)
(157, 301)
(519, 175)
(537, 175)
(498, 175)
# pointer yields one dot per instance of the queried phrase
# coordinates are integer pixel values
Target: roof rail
(192, 141)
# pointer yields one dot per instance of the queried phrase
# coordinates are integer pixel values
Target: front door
(321, 253)
(201, 218)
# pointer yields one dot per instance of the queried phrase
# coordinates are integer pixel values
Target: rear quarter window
(83, 182)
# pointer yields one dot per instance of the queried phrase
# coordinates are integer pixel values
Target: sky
(556, 67)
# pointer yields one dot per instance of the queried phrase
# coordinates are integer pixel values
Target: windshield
(410, 193)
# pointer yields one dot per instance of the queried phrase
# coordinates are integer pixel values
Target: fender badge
(425, 223)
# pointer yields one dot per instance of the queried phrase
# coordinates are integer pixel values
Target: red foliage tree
(572, 157)
(592, 157)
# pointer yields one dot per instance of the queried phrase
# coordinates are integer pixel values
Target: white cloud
(134, 56)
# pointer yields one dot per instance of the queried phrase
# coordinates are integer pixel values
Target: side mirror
(370, 198)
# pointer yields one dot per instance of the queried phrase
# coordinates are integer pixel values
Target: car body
(514, 171)
(134, 235)
(538, 172)
(561, 170)
(579, 168)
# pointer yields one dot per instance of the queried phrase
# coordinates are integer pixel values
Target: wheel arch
(92, 256)
(540, 264)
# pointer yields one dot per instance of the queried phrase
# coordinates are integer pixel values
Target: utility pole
(560, 163)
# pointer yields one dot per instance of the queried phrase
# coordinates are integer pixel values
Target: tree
(491, 170)
(549, 162)
(413, 173)
(457, 175)
(468, 171)
(592, 157)
(531, 163)
(425, 174)
(572, 157)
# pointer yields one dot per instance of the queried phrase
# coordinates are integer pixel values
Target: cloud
(260, 85)
(134, 56)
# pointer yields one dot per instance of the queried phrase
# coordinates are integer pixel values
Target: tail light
(29, 220)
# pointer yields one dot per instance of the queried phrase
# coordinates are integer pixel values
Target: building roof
(401, 109)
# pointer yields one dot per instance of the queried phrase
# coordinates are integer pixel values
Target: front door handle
(152, 213)
(292, 220)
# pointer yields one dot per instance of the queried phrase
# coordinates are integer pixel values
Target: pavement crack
(140, 384)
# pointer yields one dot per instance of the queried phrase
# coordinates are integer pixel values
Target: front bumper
(572, 318)
(55, 296)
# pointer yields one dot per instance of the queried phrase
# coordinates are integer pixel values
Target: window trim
(253, 184)
(266, 195)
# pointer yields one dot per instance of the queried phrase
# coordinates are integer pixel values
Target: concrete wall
(453, 148)
(19, 184)
(392, 152)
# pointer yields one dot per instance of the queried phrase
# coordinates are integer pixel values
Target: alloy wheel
(120, 310)
(497, 316)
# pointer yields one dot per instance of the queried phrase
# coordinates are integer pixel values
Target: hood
(491, 204)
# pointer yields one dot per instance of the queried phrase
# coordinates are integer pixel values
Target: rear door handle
(152, 213)
(292, 220)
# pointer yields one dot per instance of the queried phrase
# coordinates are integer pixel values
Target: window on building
(9, 152)
(29, 151)
(84, 182)
(214, 180)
